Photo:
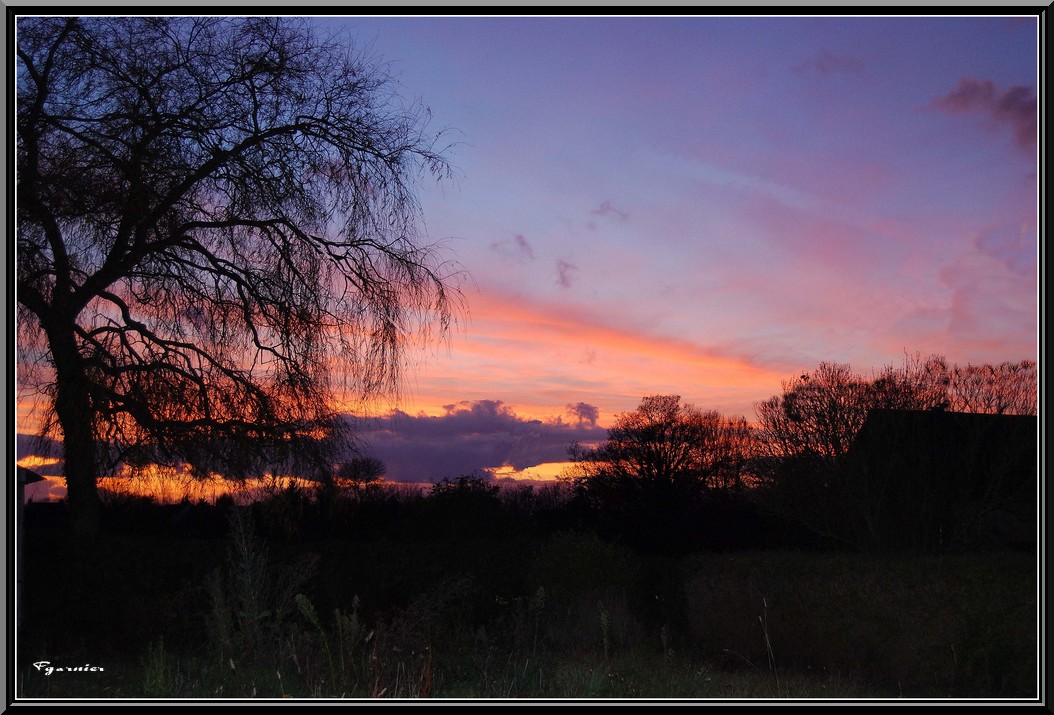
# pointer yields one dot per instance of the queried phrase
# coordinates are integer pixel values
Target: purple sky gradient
(774, 192)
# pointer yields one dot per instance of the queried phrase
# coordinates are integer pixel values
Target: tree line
(816, 470)
(667, 462)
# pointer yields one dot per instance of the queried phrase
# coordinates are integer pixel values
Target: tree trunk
(73, 408)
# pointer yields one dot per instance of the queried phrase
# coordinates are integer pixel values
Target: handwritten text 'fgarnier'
(48, 668)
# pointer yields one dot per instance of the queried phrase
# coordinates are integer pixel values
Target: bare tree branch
(217, 236)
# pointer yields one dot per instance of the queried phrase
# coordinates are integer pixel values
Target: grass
(552, 616)
(904, 623)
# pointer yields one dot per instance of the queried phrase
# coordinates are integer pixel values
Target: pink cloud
(516, 248)
(565, 271)
(1010, 244)
(990, 302)
(985, 308)
(1015, 106)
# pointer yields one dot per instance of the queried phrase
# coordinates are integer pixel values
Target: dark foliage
(919, 457)
(406, 613)
(664, 469)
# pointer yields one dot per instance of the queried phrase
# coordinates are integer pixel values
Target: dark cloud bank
(471, 437)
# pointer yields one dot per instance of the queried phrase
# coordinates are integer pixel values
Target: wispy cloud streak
(826, 62)
(606, 209)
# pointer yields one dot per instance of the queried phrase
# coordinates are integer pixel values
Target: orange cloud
(540, 356)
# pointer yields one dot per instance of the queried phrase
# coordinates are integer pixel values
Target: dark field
(509, 595)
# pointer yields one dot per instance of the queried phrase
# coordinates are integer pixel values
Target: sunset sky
(708, 206)
(705, 207)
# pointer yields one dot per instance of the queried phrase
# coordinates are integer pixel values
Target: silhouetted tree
(216, 230)
(806, 432)
(656, 467)
(820, 413)
(920, 384)
(663, 446)
(817, 415)
(467, 486)
(1009, 388)
(361, 471)
(466, 506)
